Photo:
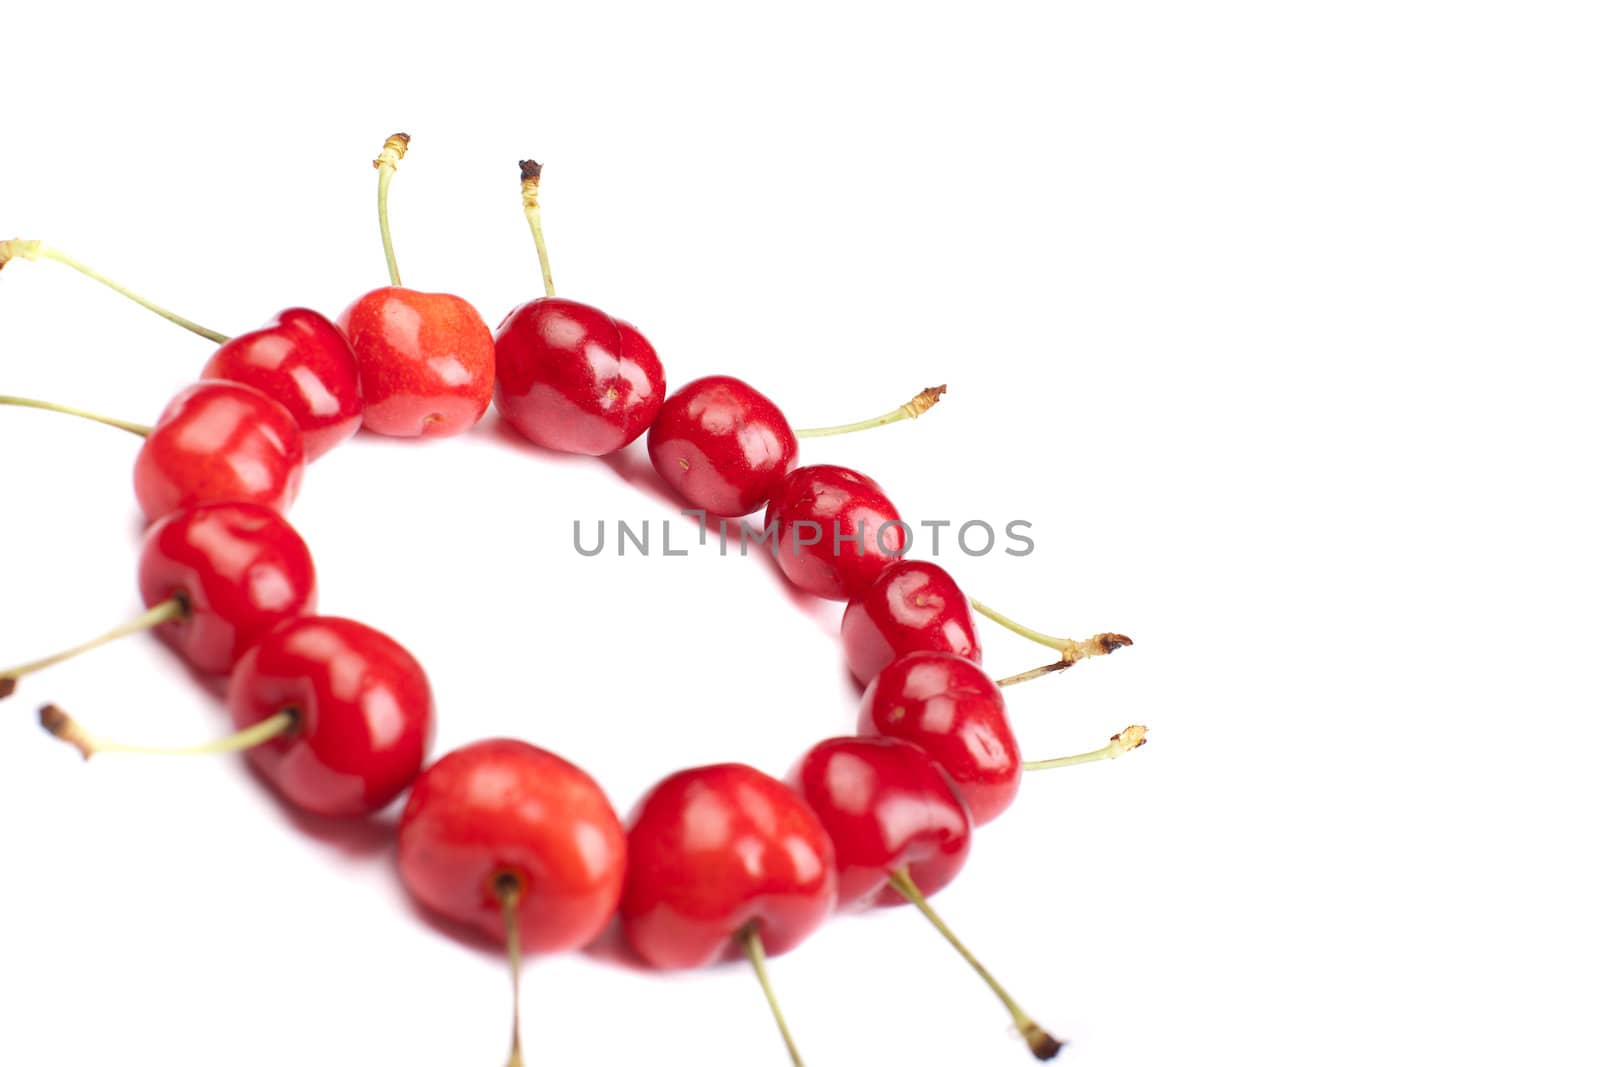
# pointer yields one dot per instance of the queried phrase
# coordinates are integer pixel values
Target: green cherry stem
(1071, 650)
(135, 428)
(1040, 1043)
(1121, 744)
(530, 209)
(394, 150)
(64, 727)
(750, 940)
(17, 248)
(911, 409)
(166, 611)
(508, 887)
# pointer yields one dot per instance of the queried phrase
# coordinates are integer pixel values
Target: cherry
(836, 530)
(568, 376)
(299, 359)
(725, 855)
(219, 442)
(900, 832)
(302, 361)
(887, 806)
(519, 843)
(725, 447)
(955, 712)
(426, 360)
(360, 707)
(911, 606)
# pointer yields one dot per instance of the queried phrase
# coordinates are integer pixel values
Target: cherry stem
(65, 728)
(508, 887)
(750, 940)
(35, 250)
(1071, 650)
(394, 150)
(1042, 1045)
(1121, 744)
(909, 410)
(135, 428)
(530, 208)
(166, 611)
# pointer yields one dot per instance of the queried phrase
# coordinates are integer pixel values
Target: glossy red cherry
(911, 606)
(238, 570)
(571, 378)
(426, 362)
(362, 710)
(302, 361)
(219, 442)
(714, 851)
(952, 710)
(836, 530)
(887, 807)
(723, 446)
(504, 809)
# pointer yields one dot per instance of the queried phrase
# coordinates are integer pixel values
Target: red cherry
(237, 569)
(426, 362)
(718, 850)
(302, 361)
(505, 810)
(362, 711)
(723, 446)
(833, 538)
(219, 442)
(955, 712)
(571, 378)
(887, 807)
(911, 606)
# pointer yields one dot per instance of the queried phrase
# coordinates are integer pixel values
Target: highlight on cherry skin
(299, 358)
(214, 579)
(518, 843)
(901, 831)
(723, 859)
(568, 376)
(426, 360)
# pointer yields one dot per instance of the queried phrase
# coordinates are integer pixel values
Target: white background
(1277, 320)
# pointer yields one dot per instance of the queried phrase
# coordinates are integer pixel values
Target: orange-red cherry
(426, 362)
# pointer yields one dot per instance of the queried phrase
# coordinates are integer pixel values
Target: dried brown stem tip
(7, 687)
(924, 400)
(1128, 740)
(17, 248)
(530, 170)
(394, 150)
(1041, 1044)
(62, 726)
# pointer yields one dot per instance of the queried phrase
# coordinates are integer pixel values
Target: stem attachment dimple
(911, 409)
(138, 429)
(166, 611)
(750, 940)
(17, 248)
(1121, 744)
(394, 150)
(1040, 1043)
(64, 727)
(508, 887)
(530, 209)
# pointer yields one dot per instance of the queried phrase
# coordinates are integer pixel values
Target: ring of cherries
(501, 835)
